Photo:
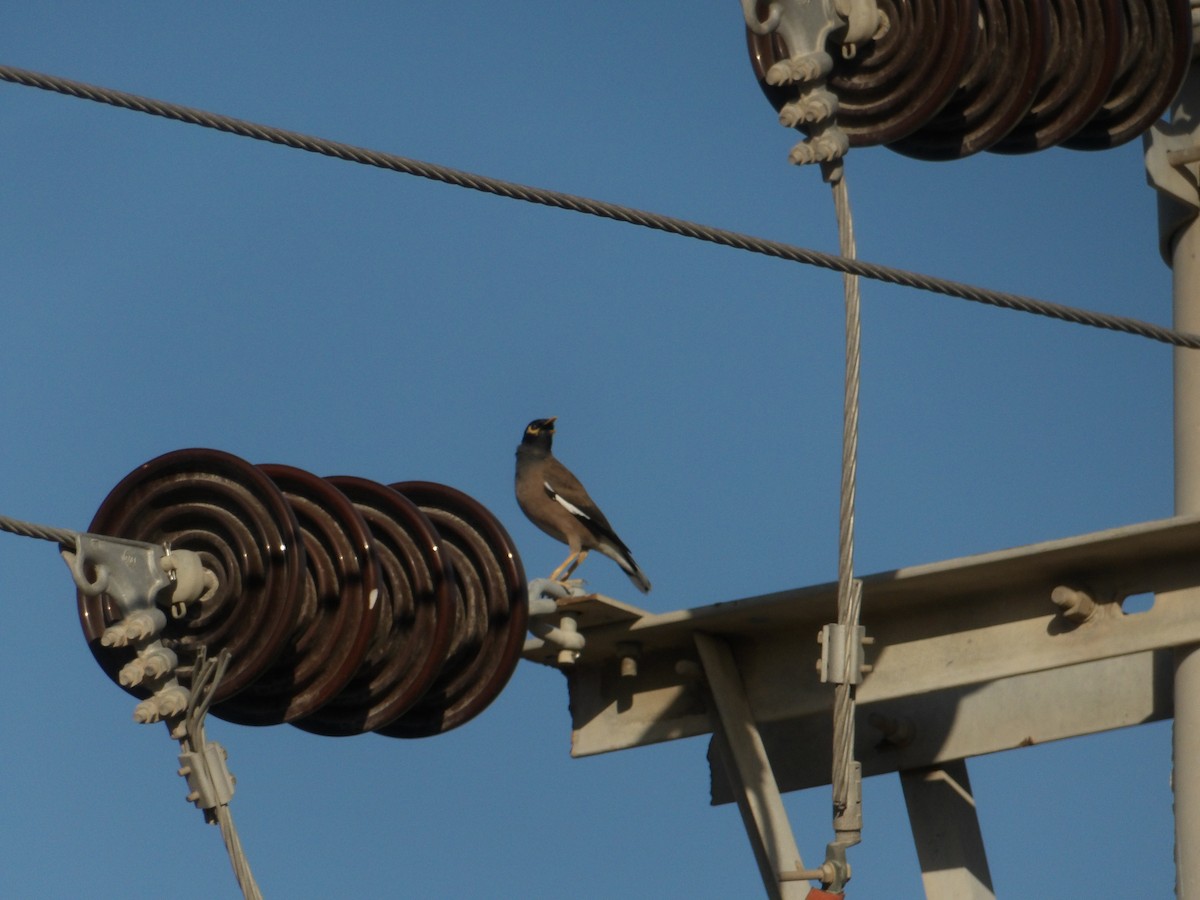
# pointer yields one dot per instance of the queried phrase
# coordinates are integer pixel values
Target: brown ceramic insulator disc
(338, 613)
(893, 84)
(900, 81)
(494, 596)
(998, 86)
(416, 615)
(1085, 51)
(232, 515)
(1157, 51)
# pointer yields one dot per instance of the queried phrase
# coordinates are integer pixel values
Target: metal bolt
(690, 669)
(807, 67)
(146, 712)
(570, 626)
(131, 673)
(171, 700)
(628, 652)
(897, 731)
(1076, 606)
(815, 106)
(137, 626)
(158, 661)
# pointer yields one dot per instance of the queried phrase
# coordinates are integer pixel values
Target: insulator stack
(348, 605)
(944, 79)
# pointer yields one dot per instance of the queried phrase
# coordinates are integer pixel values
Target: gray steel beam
(971, 654)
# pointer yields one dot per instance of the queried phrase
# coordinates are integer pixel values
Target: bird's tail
(634, 571)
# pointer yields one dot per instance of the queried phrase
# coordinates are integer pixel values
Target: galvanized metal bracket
(135, 573)
(1173, 166)
(130, 572)
(550, 625)
(140, 578)
(806, 28)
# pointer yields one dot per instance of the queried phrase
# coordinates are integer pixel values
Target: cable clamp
(544, 594)
(208, 776)
(842, 655)
(805, 28)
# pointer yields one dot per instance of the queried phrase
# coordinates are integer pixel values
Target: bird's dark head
(539, 432)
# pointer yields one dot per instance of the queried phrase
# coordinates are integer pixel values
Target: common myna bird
(557, 503)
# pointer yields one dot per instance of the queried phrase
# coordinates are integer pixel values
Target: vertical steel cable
(209, 673)
(846, 776)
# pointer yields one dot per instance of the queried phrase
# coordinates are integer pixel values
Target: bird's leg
(555, 575)
(579, 557)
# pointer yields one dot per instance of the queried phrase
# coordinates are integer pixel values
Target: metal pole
(1185, 259)
(1185, 265)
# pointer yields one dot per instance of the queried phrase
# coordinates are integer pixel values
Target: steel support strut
(750, 774)
(941, 809)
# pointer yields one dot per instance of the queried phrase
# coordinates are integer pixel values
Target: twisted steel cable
(600, 208)
(41, 532)
(847, 816)
(209, 673)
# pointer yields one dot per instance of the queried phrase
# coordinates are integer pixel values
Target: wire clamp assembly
(544, 594)
(843, 658)
(805, 28)
(203, 762)
(137, 576)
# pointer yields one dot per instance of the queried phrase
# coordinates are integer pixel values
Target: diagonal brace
(749, 770)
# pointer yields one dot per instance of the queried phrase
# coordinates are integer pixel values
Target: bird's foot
(574, 585)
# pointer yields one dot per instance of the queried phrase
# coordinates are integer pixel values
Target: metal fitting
(629, 652)
(1076, 606)
(208, 776)
(135, 627)
(543, 605)
(167, 702)
(842, 660)
(153, 662)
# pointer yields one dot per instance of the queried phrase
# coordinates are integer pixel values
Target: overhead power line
(600, 208)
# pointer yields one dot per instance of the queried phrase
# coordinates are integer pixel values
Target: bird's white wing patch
(566, 504)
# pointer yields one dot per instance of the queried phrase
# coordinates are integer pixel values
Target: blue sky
(169, 287)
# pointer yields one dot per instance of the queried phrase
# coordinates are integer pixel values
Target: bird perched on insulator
(554, 500)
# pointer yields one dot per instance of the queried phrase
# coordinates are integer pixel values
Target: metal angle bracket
(1173, 165)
